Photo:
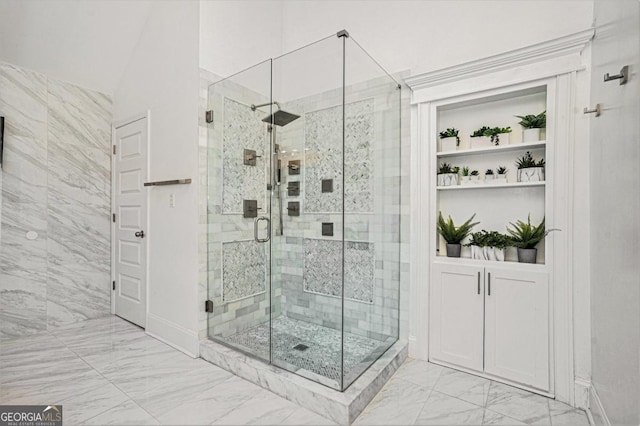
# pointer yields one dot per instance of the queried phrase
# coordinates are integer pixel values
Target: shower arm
(254, 107)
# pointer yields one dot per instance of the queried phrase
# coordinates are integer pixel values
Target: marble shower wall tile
(324, 158)
(23, 181)
(323, 268)
(243, 129)
(56, 182)
(244, 269)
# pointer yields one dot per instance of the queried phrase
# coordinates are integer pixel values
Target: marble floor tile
(419, 372)
(518, 404)
(493, 418)
(466, 387)
(265, 408)
(212, 404)
(302, 416)
(563, 414)
(399, 402)
(127, 413)
(442, 409)
(87, 404)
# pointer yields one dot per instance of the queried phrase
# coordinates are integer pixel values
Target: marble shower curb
(341, 407)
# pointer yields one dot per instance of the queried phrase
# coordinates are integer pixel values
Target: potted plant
(454, 235)
(525, 237)
(447, 175)
(501, 176)
(479, 138)
(530, 170)
(496, 133)
(488, 245)
(449, 140)
(488, 177)
(474, 176)
(464, 179)
(532, 125)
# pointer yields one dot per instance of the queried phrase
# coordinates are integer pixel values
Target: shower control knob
(139, 234)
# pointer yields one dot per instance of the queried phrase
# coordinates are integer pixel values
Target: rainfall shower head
(279, 118)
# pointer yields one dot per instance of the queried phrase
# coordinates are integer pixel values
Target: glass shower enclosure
(304, 211)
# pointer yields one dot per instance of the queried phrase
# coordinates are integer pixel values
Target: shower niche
(313, 139)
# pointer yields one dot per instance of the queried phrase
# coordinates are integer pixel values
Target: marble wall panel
(244, 269)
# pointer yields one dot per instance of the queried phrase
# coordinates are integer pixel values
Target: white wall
(238, 34)
(86, 43)
(162, 77)
(615, 229)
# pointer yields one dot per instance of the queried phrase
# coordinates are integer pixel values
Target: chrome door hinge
(114, 285)
(208, 306)
(208, 116)
(114, 150)
(113, 217)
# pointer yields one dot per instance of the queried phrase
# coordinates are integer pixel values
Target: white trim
(562, 46)
(582, 392)
(596, 409)
(174, 335)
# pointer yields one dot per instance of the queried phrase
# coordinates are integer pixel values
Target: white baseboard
(596, 413)
(173, 335)
(581, 392)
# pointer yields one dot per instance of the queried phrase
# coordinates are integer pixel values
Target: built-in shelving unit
(490, 186)
(492, 150)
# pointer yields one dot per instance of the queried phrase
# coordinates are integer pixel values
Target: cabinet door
(517, 326)
(456, 315)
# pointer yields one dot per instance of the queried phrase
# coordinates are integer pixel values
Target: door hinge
(208, 116)
(114, 150)
(208, 306)
(113, 217)
(114, 285)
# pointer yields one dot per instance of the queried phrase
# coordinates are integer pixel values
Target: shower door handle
(255, 229)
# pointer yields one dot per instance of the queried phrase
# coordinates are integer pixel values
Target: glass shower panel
(372, 211)
(238, 166)
(307, 249)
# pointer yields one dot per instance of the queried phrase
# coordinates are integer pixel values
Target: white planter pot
(465, 180)
(504, 139)
(448, 144)
(530, 135)
(489, 179)
(447, 179)
(501, 179)
(481, 142)
(531, 174)
(474, 179)
(487, 253)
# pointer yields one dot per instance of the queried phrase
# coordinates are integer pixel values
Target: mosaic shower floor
(322, 355)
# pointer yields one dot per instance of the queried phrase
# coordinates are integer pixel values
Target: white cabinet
(517, 326)
(493, 320)
(457, 309)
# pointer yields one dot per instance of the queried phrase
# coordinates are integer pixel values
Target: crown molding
(558, 47)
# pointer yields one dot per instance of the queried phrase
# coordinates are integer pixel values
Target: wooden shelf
(484, 186)
(493, 149)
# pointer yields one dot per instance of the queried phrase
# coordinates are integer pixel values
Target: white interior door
(517, 326)
(130, 208)
(456, 315)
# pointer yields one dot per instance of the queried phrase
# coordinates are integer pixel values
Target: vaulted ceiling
(88, 43)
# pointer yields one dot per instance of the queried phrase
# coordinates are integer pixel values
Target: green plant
(465, 171)
(453, 234)
(444, 168)
(489, 239)
(451, 133)
(489, 172)
(527, 161)
(474, 173)
(495, 133)
(525, 235)
(480, 132)
(455, 170)
(502, 170)
(532, 121)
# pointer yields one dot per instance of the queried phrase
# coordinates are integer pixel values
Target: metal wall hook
(597, 110)
(623, 76)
